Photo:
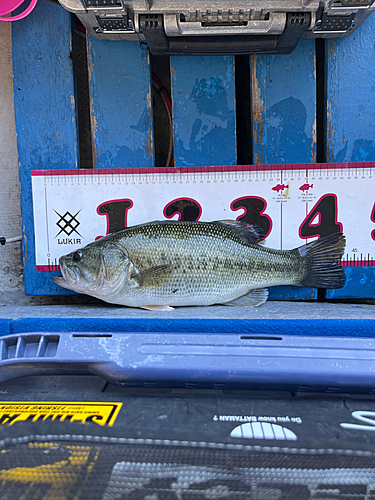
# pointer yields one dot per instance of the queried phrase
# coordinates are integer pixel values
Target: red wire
(79, 27)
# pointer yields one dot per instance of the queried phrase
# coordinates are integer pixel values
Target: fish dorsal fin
(247, 233)
(153, 276)
(254, 298)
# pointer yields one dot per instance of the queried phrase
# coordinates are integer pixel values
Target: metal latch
(112, 23)
(334, 24)
(350, 4)
(103, 4)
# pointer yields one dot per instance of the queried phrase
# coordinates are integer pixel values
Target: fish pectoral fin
(254, 298)
(153, 276)
(157, 308)
(251, 233)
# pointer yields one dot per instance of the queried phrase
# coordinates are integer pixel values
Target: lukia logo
(68, 223)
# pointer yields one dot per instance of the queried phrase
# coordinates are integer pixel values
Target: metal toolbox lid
(230, 27)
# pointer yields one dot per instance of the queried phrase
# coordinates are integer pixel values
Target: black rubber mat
(50, 460)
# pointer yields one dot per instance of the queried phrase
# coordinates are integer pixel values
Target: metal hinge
(151, 25)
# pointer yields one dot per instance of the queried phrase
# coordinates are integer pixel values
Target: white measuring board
(294, 204)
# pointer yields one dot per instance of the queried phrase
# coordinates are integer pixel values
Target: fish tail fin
(321, 262)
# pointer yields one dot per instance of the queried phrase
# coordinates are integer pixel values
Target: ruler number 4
(322, 218)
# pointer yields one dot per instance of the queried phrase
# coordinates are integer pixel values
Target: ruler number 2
(187, 209)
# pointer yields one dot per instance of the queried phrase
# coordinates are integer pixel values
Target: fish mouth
(59, 280)
(69, 276)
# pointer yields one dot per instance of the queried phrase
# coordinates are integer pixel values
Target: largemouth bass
(163, 264)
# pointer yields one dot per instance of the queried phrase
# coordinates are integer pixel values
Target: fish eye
(77, 256)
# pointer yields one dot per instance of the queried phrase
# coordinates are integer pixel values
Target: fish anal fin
(254, 298)
(248, 233)
(157, 308)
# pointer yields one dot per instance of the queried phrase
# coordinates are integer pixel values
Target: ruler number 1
(116, 212)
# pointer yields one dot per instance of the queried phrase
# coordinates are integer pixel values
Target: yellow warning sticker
(22, 411)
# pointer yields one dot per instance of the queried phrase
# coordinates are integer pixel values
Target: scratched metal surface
(283, 91)
(351, 124)
(45, 114)
(203, 99)
(120, 98)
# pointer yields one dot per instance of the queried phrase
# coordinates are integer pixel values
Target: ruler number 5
(372, 218)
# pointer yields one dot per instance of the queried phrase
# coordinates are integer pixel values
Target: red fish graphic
(280, 187)
(306, 187)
